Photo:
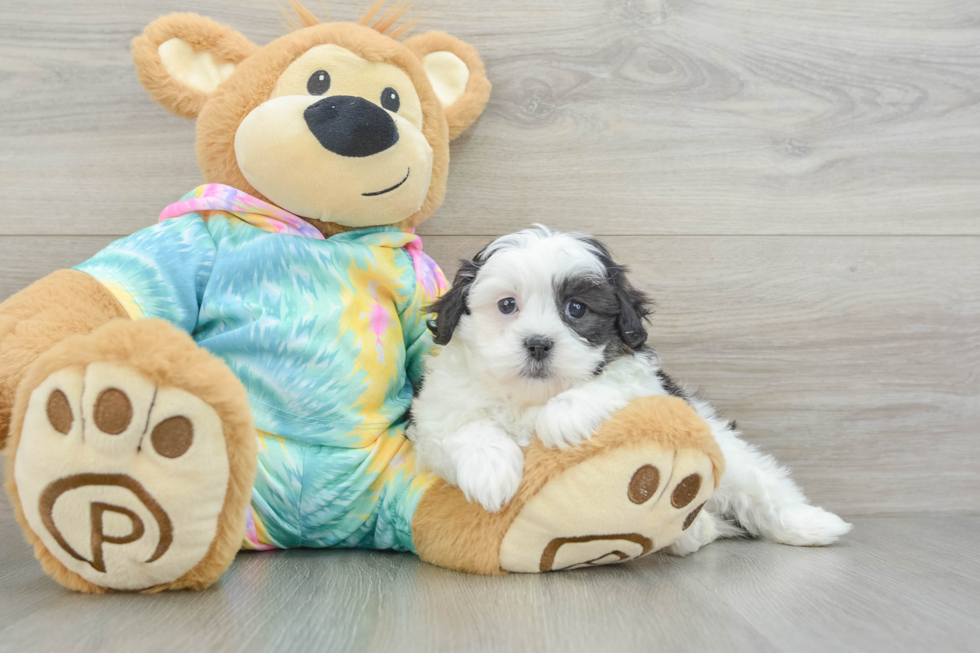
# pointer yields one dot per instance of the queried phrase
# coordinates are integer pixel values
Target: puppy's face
(541, 312)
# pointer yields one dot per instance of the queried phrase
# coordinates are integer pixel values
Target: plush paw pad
(123, 481)
(613, 507)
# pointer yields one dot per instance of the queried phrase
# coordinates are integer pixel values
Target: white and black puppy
(543, 335)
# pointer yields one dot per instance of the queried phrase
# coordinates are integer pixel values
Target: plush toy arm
(159, 272)
(430, 285)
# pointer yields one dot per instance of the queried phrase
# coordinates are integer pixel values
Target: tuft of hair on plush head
(306, 18)
(389, 18)
(303, 18)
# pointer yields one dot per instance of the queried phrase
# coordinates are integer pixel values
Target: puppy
(543, 335)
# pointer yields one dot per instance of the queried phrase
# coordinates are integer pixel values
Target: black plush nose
(539, 347)
(351, 126)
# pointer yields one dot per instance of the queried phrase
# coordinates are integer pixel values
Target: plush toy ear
(181, 59)
(456, 72)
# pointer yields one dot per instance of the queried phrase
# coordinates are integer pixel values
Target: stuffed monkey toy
(239, 374)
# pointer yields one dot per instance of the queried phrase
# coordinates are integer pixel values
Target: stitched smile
(388, 190)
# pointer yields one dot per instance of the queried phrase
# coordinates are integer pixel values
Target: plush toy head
(339, 123)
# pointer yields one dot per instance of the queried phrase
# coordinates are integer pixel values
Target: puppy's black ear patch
(449, 309)
(635, 306)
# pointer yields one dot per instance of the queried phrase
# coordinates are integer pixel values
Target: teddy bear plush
(239, 374)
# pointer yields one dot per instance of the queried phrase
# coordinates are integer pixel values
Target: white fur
(758, 493)
(477, 408)
(485, 463)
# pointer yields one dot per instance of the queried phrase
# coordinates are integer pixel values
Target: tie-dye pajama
(327, 335)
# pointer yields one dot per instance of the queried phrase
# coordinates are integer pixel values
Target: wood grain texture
(907, 583)
(25, 259)
(611, 116)
(852, 359)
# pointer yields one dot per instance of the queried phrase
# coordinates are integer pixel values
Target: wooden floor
(797, 182)
(898, 583)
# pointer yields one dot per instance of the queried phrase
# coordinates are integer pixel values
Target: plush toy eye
(318, 83)
(507, 306)
(574, 309)
(390, 99)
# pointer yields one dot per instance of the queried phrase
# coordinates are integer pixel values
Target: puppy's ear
(181, 59)
(451, 307)
(634, 307)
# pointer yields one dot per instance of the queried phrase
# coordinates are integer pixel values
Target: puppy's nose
(351, 126)
(539, 347)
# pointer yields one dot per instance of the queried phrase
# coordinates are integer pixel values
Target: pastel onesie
(326, 335)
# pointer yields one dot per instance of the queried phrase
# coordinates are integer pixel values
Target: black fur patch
(451, 307)
(635, 306)
(616, 309)
(599, 324)
(670, 386)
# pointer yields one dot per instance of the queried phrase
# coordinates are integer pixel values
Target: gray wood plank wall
(796, 182)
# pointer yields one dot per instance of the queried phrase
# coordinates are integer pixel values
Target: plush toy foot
(131, 460)
(632, 489)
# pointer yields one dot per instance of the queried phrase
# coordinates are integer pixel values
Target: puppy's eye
(318, 83)
(574, 309)
(390, 99)
(507, 306)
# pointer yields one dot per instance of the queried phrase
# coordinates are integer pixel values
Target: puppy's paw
(806, 525)
(702, 531)
(569, 419)
(490, 474)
